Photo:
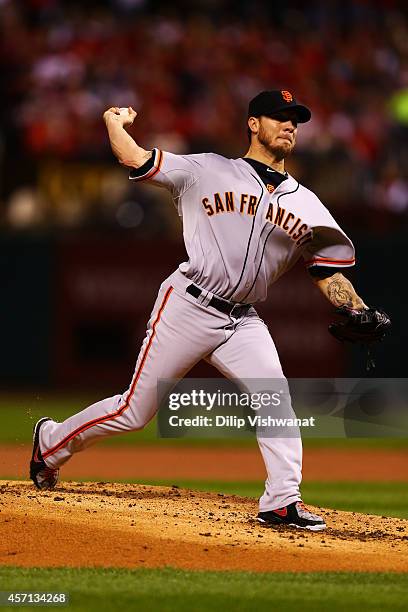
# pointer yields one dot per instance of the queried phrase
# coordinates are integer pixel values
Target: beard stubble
(278, 151)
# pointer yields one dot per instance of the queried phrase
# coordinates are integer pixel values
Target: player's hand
(124, 116)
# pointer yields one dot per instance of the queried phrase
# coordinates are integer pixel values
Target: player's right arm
(125, 149)
(177, 173)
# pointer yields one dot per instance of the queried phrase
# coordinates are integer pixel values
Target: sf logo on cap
(287, 96)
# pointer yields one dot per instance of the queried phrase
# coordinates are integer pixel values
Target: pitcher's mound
(127, 525)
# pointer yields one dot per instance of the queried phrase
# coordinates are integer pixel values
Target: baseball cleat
(294, 515)
(42, 476)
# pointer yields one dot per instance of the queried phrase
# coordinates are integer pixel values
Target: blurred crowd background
(189, 69)
(83, 250)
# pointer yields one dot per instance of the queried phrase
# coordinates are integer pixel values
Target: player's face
(278, 133)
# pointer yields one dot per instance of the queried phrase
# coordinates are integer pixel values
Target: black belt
(237, 310)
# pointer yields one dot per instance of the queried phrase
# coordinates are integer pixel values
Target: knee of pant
(138, 414)
(133, 422)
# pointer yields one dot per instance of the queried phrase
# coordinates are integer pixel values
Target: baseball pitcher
(246, 222)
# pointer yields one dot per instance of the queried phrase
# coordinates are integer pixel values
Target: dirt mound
(121, 525)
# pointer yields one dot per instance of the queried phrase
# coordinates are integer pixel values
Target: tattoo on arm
(341, 292)
(339, 295)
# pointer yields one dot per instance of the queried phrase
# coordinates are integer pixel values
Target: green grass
(386, 499)
(171, 590)
(19, 412)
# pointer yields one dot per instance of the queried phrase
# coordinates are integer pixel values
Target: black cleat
(42, 476)
(294, 515)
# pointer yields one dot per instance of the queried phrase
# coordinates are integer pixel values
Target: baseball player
(246, 221)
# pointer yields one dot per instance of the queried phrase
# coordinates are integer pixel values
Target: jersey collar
(268, 175)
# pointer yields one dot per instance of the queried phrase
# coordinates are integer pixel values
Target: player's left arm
(329, 252)
(360, 322)
(338, 290)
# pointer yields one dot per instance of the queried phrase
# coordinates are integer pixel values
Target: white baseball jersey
(244, 224)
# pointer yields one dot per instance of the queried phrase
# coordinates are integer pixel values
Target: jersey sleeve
(177, 173)
(329, 250)
(330, 247)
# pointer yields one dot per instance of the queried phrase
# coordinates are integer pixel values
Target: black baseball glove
(365, 326)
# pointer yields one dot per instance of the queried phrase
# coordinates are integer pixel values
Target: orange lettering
(269, 214)
(295, 225)
(208, 207)
(218, 203)
(229, 201)
(252, 205)
(289, 217)
(244, 197)
(299, 232)
(279, 215)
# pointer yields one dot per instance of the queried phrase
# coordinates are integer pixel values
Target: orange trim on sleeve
(328, 261)
(154, 170)
(159, 163)
(121, 409)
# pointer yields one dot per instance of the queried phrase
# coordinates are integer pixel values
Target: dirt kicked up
(127, 525)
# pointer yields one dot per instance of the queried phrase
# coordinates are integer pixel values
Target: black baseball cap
(270, 102)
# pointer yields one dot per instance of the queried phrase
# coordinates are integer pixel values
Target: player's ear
(253, 125)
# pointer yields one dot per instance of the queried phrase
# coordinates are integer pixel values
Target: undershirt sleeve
(322, 272)
(139, 174)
